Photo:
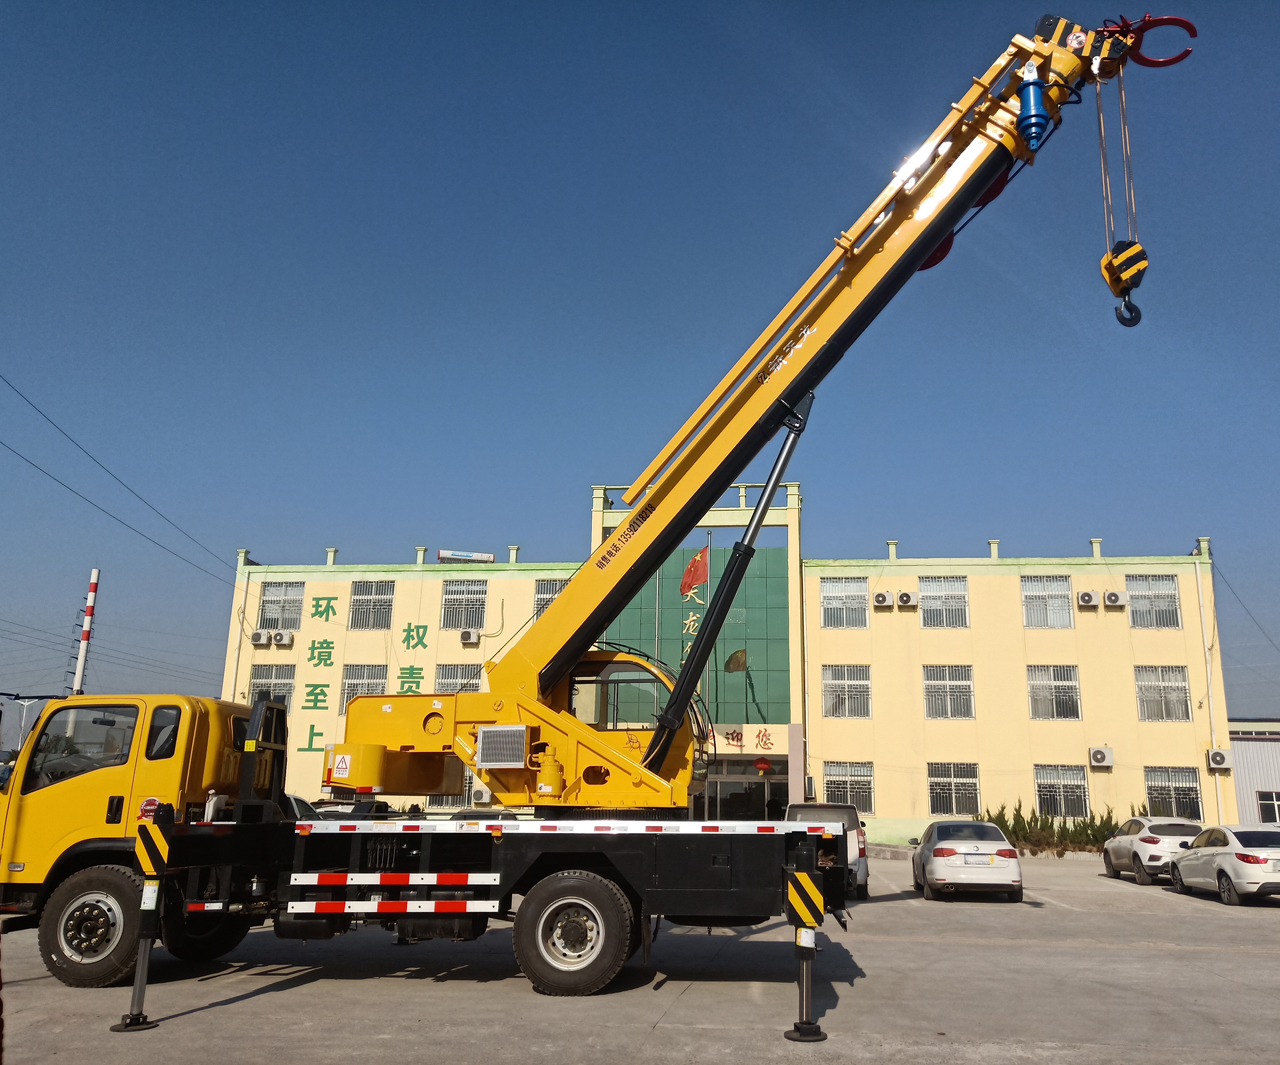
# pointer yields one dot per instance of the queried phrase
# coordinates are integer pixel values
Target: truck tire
(89, 927)
(201, 936)
(572, 933)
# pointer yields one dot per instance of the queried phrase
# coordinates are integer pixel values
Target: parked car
(965, 856)
(1239, 862)
(1145, 846)
(854, 826)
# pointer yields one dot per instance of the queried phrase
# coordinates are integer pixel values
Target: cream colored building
(991, 681)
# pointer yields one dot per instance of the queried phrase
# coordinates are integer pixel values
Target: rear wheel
(929, 893)
(572, 933)
(201, 936)
(1227, 891)
(863, 892)
(1016, 894)
(89, 927)
(1110, 868)
(1180, 885)
(1140, 873)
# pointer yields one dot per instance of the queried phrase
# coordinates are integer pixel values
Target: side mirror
(913, 842)
(862, 824)
(1185, 845)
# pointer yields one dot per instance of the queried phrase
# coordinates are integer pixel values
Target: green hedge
(1043, 833)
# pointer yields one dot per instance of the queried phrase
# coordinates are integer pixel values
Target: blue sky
(375, 276)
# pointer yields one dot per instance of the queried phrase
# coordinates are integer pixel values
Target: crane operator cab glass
(616, 695)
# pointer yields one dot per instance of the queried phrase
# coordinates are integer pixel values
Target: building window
(361, 680)
(455, 678)
(1163, 693)
(463, 604)
(1173, 791)
(850, 783)
(1046, 603)
(844, 602)
(948, 691)
(944, 602)
(953, 789)
(371, 603)
(846, 691)
(544, 593)
(1153, 602)
(281, 605)
(1054, 692)
(1269, 807)
(1062, 791)
(271, 682)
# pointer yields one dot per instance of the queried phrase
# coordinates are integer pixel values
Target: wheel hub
(571, 934)
(90, 927)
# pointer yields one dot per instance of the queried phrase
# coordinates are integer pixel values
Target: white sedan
(965, 856)
(1239, 862)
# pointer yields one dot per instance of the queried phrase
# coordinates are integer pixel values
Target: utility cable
(1218, 570)
(46, 417)
(108, 513)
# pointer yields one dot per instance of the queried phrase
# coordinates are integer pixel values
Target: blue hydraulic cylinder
(1033, 119)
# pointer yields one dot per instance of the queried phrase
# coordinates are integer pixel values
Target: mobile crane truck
(175, 804)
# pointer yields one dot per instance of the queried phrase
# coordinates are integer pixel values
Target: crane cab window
(162, 737)
(79, 739)
(616, 695)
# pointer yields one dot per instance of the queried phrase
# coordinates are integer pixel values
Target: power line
(1218, 570)
(121, 659)
(126, 487)
(108, 513)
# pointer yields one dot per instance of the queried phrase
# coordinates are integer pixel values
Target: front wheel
(572, 933)
(89, 927)
(1109, 866)
(1180, 885)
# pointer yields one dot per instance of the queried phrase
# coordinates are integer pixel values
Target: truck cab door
(163, 754)
(70, 785)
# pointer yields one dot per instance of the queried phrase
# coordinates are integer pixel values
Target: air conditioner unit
(1219, 758)
(1102, 757)
(1088, 599)
(282, 639)
(480, 795)
(908, 599)
(260, 638)
(470, 637)
(1115, 598)
(501, 746)
(882, 599)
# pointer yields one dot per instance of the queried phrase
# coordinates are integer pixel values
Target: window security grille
(1163, 693)
(544, 592)
(1173, 791)
(453, 802)
(454, 678)
(1046, 603)
(944, 602)
(948, 691)
(846, 691)
(361, 680)
(844, 602)
(281, 606)
(1153, 602)
(1269, 807)
(462, 606)
(1062, 791)
(371, 603)
(1054, 692)
(273, 682)
(953, 788)
(852, 783)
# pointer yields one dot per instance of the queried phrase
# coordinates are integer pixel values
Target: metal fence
(371, 604)
(1054, 693)
(953, 789)
(1046, 603)
(1173, 791)
(1062, 791)
(1163, 693)
(948, 691)
(850, 782)
(462, 604)
(846, 691)
(944, 602)
(1153, 602)
(844, 602)
(281, 605)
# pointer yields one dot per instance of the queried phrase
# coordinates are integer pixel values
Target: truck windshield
(80, 739)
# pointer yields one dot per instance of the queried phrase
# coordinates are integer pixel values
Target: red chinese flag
(695, 573)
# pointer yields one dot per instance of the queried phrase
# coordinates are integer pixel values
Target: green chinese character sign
(322, 606)
(321, 652)
(414, 636)
(410, 681)
(317, 697)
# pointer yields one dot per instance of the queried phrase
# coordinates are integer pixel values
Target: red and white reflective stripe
(202, 907)
(581, 828)
(393, 879)
(436, 906)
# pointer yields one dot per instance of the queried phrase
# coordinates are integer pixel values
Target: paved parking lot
(1085, 970)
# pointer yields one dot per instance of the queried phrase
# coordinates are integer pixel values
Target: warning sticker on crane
(342, 767)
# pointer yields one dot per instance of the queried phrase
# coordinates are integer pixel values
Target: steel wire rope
(113, 517)
(112, 475)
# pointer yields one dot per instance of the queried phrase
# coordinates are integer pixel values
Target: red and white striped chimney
(85, 630)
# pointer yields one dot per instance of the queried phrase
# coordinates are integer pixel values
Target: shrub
(1039, 832)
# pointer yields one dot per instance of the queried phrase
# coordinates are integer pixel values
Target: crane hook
(1127, 314)
(1137, 30)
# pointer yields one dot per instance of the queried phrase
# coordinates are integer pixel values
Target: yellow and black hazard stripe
(1075, 38)
(151, 849)
(804, 900)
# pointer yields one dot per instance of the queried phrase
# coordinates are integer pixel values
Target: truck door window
(80, 739)
(162, 737)
(622, 695)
